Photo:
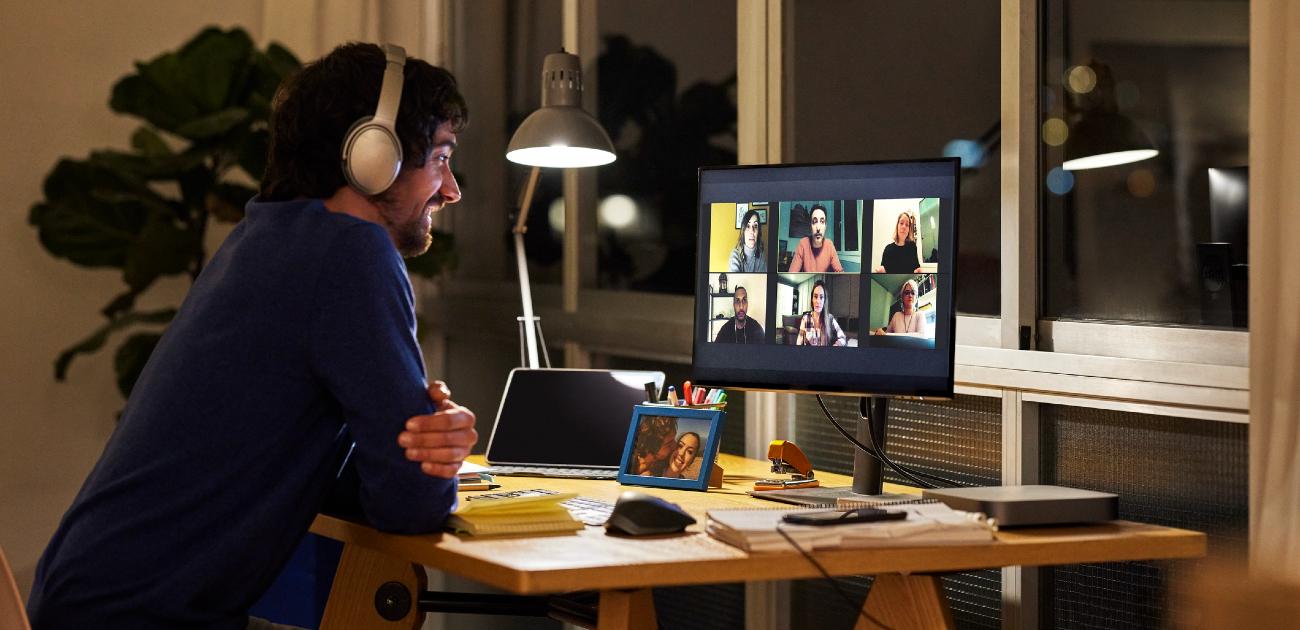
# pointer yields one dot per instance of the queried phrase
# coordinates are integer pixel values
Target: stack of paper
(755, 530)
(926, 524)
(519, 512)
(475, 477)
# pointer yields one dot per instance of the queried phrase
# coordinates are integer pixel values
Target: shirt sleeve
(835, 258)
(363, 346)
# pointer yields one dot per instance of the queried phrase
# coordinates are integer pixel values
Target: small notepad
(518, 512)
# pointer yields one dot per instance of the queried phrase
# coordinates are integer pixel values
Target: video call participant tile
(820, 236)
(737, 307)
(903, 310)
(819, 310)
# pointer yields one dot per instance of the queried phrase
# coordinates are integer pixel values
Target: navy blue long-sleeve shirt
(296, 340)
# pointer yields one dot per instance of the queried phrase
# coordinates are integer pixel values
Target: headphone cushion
(372, 156)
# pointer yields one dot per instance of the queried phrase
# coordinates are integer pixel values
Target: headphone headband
(390, 95)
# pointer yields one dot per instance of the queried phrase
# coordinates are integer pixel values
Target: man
(816, 253)
(743, 328)
(292, 361)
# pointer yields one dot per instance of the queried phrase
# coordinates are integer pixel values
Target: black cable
(863, 417)
(878, 453)
(861, 610)
(873, 451)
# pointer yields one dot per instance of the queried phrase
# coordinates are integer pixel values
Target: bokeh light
(555, 215)
(1081, 79)
(1060, 181)
(617, 211)
(968, 151)
(1055, 132)
(1141, 183)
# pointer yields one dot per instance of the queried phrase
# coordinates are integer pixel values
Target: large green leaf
(177, 88)
(214, 124)
(130, 359)
(149, 143)
(161, 248)
(90, 216)
(97, 339)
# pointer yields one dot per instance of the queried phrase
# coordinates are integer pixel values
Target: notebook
(927, 523)
(514, 513)
(566, 423)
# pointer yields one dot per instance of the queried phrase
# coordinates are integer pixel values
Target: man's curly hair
(315, 106)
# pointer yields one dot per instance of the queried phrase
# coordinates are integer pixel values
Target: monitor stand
(867, 472)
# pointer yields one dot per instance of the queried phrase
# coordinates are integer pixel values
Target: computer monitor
(827, 278)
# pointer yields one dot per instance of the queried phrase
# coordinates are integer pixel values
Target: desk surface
(592, 560)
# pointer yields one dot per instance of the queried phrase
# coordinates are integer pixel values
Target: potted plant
(194, 159)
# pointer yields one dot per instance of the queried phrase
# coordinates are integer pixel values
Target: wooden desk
(904, 595)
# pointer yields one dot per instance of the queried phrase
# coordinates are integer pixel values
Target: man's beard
(412, 238)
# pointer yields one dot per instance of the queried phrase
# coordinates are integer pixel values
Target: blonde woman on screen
(902, 255)
(906, 321)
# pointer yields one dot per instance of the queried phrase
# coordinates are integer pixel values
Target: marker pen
(686, 392)
(672, 395)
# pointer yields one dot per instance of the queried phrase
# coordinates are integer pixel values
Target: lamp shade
(1101, 139)
(561, 134)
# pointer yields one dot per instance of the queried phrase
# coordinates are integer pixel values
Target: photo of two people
(669, 447)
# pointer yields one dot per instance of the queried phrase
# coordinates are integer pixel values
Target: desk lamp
(558, 135)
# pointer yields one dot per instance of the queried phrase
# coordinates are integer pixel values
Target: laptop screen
(567, 417)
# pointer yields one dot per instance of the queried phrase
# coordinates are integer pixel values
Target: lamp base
(523, 341)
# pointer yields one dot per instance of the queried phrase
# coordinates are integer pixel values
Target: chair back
(13, 613)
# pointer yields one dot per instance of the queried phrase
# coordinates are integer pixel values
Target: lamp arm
(525, 289)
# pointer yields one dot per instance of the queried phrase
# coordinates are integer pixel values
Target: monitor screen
(834, 278)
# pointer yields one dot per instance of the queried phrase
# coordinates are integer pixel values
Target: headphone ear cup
(372, 156)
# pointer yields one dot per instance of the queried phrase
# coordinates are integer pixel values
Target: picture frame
(743, 208)
(659, 443)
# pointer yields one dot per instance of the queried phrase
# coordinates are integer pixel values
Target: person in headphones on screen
(748, 256)
(815, 252)
(901, 255)
(818, 327)
(291, 366)
(742, 328)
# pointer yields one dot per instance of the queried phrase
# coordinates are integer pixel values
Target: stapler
(787, 458)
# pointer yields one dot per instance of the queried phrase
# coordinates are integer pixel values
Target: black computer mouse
(640, 514)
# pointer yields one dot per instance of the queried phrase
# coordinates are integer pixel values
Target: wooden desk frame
(906, 593)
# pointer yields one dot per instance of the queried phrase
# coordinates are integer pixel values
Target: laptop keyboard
(589, 511)
(546, 471)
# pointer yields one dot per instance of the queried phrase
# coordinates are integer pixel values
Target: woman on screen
(748, 257)
(818, 327)
(906, 321)
(901, 256)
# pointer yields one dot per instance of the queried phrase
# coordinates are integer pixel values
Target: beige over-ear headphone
(372, 153)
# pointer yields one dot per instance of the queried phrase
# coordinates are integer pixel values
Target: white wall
(58, 61)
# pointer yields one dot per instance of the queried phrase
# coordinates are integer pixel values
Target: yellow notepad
(536, 511)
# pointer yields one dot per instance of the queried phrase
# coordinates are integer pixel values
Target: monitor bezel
(937, 388)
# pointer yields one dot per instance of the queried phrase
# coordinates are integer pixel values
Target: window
(1161, 239)
(901, 80)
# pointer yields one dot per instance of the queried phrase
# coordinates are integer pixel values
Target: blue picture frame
(651, 458)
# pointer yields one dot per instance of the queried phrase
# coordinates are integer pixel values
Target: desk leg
(361, 574)
(906, 601)
(626, 610)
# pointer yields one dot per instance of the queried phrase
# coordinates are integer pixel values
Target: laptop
(566, 423)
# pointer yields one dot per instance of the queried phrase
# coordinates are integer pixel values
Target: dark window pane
(1169, 471)
(667, 99)
(1161, 239)
(901, 80)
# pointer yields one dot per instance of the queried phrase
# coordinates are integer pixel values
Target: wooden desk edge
(1020, 549)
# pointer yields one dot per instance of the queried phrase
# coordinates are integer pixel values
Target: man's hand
(439, 441)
